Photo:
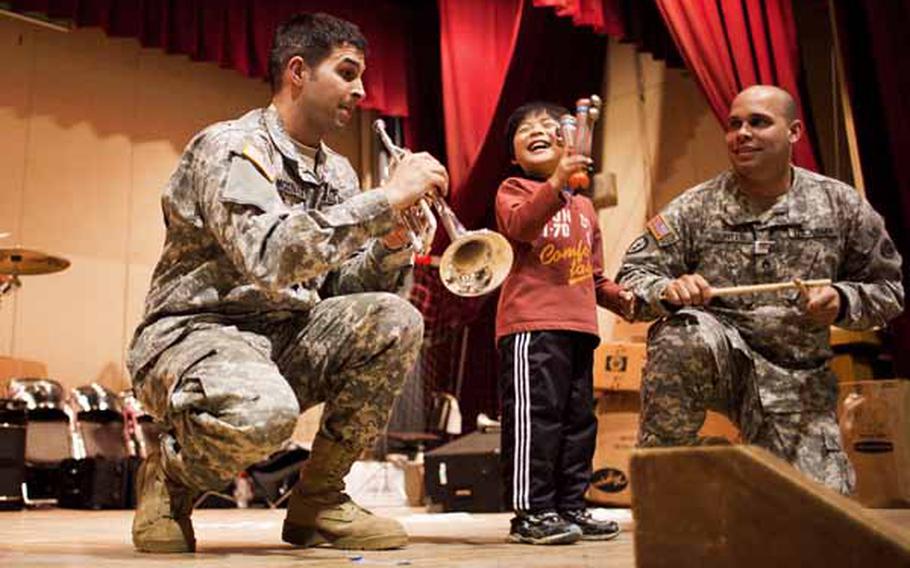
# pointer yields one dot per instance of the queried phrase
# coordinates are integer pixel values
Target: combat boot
(162, 519)
(320, 512)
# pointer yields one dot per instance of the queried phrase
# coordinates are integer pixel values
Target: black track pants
(548, 424)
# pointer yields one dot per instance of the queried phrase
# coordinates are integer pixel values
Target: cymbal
(30, 262)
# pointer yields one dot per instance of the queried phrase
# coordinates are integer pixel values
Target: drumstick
(774, 287)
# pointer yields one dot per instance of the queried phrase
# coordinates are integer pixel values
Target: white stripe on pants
(521, 476)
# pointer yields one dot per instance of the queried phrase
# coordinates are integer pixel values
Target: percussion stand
(9, 286)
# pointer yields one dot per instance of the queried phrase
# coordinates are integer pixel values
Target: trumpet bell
(476, 263)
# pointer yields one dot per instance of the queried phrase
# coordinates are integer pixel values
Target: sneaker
(545, 527)
(591, 528)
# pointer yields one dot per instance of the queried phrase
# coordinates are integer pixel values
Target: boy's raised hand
(568, 165)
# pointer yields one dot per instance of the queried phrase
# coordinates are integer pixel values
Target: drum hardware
(99, 423)
(16, 261)
(25, 262)
(141, 431)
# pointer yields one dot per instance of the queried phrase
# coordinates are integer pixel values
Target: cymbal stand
(10, 286)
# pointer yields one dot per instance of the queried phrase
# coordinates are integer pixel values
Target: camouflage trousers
(695, 363)
(229, 396)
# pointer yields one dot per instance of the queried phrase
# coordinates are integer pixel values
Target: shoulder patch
(259, 160)
(638, 245)
(659, 228)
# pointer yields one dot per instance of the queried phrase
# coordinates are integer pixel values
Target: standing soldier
(762, 358)
(269, 298)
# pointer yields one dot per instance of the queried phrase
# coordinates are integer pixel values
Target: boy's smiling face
(537, 145)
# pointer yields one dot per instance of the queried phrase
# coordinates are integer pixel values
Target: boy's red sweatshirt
(557, 279)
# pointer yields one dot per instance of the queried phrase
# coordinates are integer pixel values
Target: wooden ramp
(739, 506)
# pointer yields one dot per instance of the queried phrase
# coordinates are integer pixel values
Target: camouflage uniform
(268, 298)
(757, 357)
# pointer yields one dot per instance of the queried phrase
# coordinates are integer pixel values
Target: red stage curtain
(237, 34)
(732, 45)
(478, 37)
(497, 55)
(603, 16)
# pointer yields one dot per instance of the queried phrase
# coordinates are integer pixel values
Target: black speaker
(464, 475)
(47, 444)
(12, 453)
(97, 483)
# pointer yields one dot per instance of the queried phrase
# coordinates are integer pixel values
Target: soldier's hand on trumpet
(413, 176)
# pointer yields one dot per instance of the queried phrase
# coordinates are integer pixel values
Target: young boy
(546, 330)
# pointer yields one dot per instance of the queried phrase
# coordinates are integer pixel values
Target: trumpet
(475, 262)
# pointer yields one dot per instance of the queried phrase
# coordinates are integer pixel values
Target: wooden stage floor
(237, 537)
(251, 537)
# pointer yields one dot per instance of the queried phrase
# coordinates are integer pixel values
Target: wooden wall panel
(659, 138)
(93, 128)
(17, 49)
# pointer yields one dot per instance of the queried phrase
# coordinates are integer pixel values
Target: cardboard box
(875, 425)
(855, 354)
(617, 433)
(618, 365)
(850, 368)
(840, 336)
(636, 331)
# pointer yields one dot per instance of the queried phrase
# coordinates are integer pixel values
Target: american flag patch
(659, 228)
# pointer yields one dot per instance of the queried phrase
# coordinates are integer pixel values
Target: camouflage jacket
(821, 228)
(254, 232)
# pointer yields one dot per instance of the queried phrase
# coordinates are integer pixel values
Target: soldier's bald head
(783, 101)
(762, 128)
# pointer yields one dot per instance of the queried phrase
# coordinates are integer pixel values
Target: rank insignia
(255, 156)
